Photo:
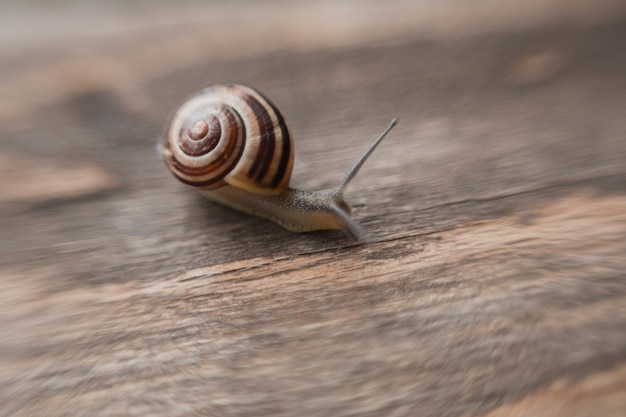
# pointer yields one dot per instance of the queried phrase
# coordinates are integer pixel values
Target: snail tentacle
(341, 188)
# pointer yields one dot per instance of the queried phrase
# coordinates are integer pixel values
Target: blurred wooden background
(494, 285)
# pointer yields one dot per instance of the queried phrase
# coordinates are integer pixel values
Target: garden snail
(233, 145)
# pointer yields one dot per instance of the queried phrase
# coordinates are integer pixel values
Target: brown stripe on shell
(220, 167)
(206, 137)
(214, 182)
(267, 141)
(285, 156)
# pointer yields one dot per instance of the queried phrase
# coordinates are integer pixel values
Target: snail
(233, 145)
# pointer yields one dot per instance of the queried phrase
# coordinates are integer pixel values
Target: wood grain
(494, 285)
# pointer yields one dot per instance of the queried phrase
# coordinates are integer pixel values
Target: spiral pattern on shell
(229, 135)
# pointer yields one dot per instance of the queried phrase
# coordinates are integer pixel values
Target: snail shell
(233, 145)
(230, 135)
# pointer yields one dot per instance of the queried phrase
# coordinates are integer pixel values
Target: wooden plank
(494, 284)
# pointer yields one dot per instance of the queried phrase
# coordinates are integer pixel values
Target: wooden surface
(494, 285)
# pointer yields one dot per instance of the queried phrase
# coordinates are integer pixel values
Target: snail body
(233, 145)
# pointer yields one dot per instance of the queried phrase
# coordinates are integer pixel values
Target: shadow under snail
(233, 145)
